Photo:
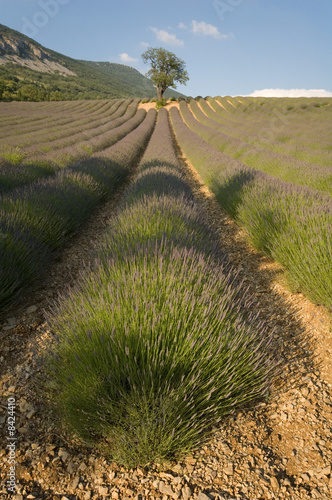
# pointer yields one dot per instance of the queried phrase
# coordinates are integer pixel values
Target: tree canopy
(166, 69)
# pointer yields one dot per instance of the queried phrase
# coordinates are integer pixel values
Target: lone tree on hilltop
(166, 69)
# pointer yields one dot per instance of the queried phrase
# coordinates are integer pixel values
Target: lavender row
(13, 176)
(304, 134)
(271, 125)
(37, 219)
(20, 113)
(16, 151)
(56, 129)
(285, 168)
(34, 119)
(151, 347)
(54, 136)
(15, 155)
(160, 188)
(160, 171)
(292, 224)
(75, 145)
(12, 147)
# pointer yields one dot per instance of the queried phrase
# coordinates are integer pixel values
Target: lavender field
(58, 162)
(269, 163)
(158, 340)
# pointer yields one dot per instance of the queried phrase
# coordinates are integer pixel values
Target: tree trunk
(160, 93)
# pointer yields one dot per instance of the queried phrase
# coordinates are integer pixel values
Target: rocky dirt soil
(278, 450)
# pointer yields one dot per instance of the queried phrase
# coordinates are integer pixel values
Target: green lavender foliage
(17, 245)
(154, 218)
(294, 226)
(153, 349)
(157, 341)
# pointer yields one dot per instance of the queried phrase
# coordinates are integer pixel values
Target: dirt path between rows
(280, 450)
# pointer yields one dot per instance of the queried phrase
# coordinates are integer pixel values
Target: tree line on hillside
(22, 84)
(13, 90)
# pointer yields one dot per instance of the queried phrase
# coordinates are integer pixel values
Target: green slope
(29, 71)
(131, 79)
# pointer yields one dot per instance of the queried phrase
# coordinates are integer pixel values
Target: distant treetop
(166, 69)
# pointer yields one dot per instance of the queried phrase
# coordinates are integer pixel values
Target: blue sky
(231, 47)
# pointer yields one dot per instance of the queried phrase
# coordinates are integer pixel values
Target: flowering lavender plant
(156, 342)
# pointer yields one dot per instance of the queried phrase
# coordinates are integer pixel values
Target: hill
(31, 72)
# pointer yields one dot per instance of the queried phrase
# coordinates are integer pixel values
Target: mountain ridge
(31, 72)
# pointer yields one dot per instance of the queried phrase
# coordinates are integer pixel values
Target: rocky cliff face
(20, 48)
(26, 53)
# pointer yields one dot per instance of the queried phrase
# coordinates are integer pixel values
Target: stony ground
(279, 450)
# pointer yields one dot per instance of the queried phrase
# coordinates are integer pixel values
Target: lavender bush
(53, 208)
(154, 218)
(151, 350)
(156, 342)
(294, 226)
(21, 255)
(159, 180)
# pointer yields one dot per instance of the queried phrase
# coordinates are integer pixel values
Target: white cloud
(183, 26)
(126, 58)
(145, 44)
(165, 37)
(291, 93)
(202, 28)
